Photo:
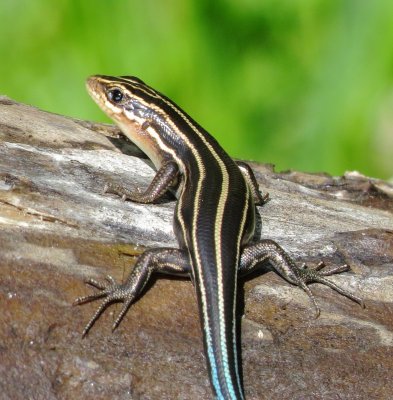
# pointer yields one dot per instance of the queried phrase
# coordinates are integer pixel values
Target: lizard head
(132, 105)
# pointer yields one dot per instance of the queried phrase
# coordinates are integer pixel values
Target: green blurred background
(303, 84)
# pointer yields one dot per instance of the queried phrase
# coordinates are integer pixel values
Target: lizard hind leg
(164, 260)
(255, 254)
(317, 275)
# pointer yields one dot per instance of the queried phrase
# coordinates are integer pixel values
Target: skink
(214, 222)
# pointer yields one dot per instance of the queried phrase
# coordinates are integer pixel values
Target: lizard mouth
(94, 88)
(97, 86)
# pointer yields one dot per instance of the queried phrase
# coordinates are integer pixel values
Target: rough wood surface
(57, 229)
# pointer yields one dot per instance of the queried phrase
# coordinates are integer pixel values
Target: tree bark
(58, 228)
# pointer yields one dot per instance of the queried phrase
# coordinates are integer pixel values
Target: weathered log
(58, 228)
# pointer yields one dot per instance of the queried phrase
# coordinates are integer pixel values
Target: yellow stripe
(217, 234)
(202, 173)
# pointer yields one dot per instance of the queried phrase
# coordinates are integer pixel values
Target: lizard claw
(309, 275)
(111, 292)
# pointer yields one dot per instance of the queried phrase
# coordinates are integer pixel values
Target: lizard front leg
(164, 179)
(249, 176)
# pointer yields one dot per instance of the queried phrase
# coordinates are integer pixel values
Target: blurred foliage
(303, 84)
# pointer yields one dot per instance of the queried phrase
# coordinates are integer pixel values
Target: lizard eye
(115, 95)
